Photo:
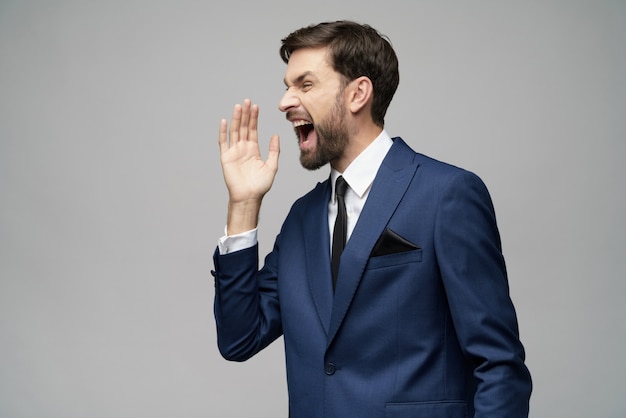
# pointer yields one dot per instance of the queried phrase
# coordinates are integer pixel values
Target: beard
(332, 138)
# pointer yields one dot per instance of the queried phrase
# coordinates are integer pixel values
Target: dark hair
(355, 50)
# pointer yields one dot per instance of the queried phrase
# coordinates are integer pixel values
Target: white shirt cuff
(231, 243)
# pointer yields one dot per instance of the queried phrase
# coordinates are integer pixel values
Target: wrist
(243, 215)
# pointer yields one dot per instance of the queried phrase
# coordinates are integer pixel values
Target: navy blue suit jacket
(421, 323)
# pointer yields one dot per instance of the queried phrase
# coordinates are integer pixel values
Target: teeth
(298, 123)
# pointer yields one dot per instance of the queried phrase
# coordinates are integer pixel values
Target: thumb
(274, 152)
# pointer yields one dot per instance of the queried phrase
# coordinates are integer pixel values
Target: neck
(359, 140)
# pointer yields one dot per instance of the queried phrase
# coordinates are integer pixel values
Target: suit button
(330, 369)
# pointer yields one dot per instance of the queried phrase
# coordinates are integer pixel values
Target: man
(415, 319)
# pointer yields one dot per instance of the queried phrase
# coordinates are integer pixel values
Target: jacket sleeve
(473, 270)
(246, 308)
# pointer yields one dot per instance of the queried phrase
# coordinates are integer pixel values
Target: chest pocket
(396, 259)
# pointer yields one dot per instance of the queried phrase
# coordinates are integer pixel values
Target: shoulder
(436, 175)
(313, 198)
(428, 164)
(401, 151)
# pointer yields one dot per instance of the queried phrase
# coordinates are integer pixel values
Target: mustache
(295, 115)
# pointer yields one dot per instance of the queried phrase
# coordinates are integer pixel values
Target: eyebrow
(299, 78)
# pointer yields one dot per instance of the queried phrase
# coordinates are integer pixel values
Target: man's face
(315, 104)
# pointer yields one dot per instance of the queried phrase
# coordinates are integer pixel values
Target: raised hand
(248, 178)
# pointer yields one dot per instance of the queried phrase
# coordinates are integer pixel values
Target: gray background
(112, 197)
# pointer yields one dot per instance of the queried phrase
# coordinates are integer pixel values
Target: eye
(307, 85)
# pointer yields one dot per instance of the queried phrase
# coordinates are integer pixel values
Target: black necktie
(341, 226)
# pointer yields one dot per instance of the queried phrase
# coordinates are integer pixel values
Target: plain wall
(112, 198)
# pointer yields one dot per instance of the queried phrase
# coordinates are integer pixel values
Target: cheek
(319, 106)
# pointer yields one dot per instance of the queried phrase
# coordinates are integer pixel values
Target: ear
(361, 94)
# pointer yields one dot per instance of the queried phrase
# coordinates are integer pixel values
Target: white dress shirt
(359, 175)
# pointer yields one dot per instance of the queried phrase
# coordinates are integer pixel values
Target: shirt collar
(362, 170)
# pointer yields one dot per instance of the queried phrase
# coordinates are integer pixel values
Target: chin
(309, 163)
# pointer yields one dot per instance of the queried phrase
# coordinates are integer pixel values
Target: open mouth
(303, 129)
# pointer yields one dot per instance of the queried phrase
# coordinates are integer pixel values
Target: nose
(288, 101)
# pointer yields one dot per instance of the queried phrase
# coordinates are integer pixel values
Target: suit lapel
(390, 185)
(317, 247)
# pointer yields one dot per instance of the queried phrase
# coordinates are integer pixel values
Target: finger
(253, 133)
(235, 122)
(221, 139)
(274, 152)
(245, 119)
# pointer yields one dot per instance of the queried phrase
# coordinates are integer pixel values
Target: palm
(246, 175)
